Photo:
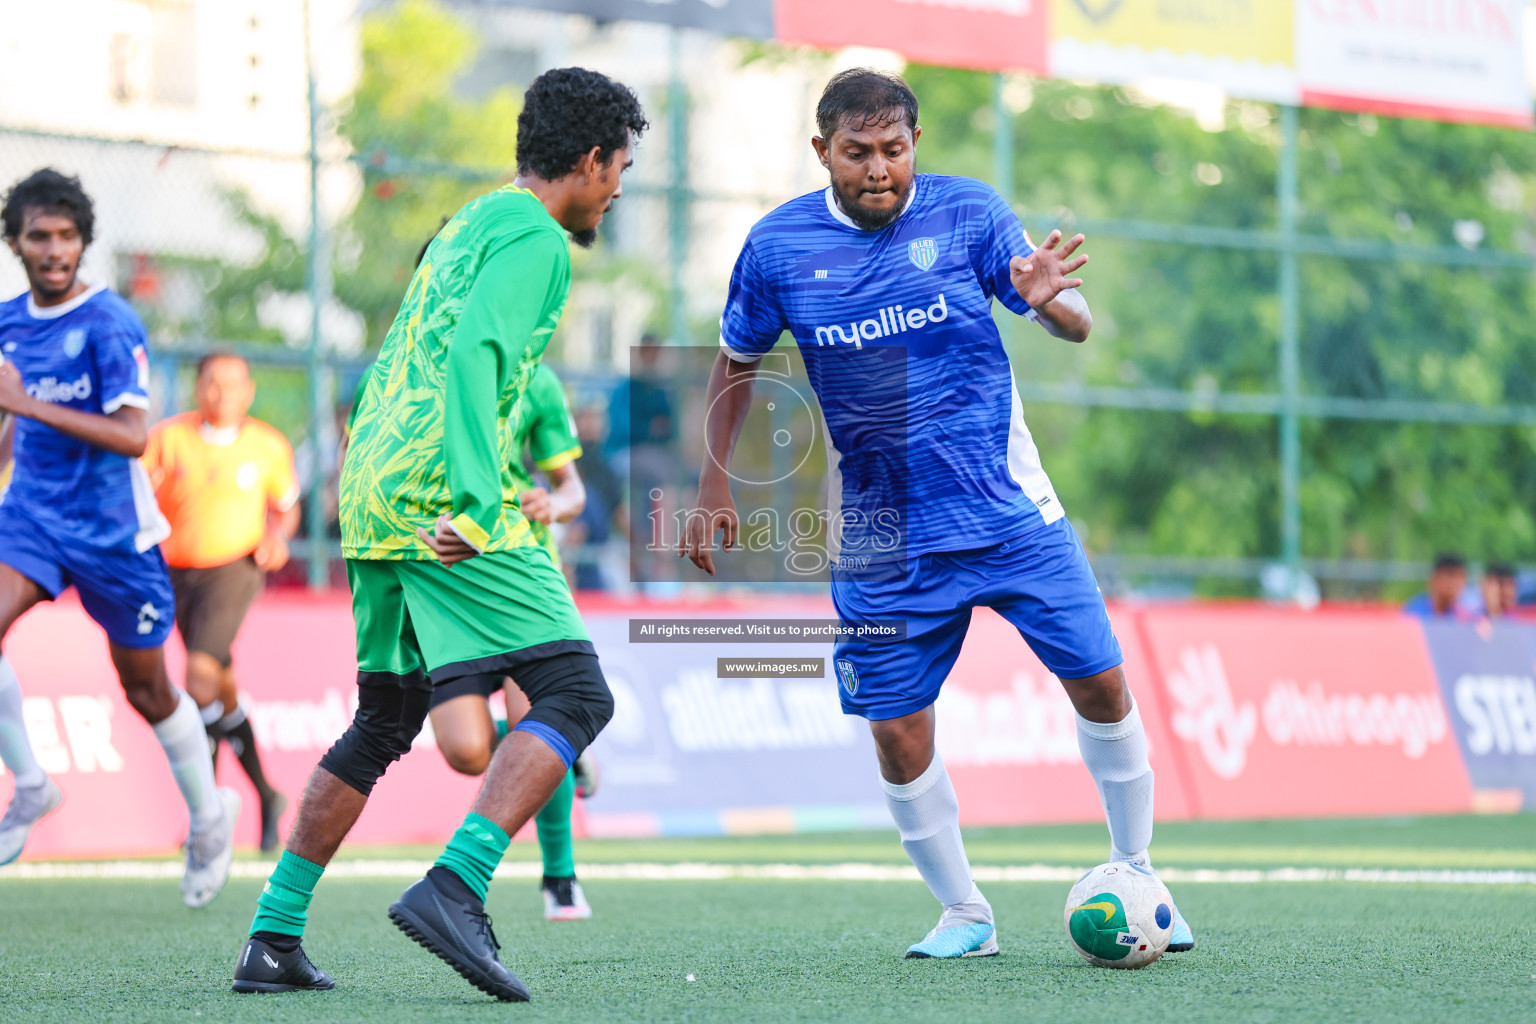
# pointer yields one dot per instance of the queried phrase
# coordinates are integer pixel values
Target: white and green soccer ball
(1120, 917)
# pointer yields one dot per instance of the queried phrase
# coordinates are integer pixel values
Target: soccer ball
(1118, 916)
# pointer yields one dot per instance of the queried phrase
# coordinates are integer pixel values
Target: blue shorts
(1041, 582)
(127, 593)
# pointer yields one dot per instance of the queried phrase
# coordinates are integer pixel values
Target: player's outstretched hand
(716, 511)
(536, 505)
(444, 540)
(1046, 272)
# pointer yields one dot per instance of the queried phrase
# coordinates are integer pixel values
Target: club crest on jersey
(848, 675)
(74, 342)
(924, 253)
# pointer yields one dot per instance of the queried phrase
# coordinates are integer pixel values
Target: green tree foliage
(1171, 315)
(405, 109)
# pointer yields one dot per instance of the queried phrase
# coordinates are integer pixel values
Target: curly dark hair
(566, 112)
(865, 98)
(53, 192)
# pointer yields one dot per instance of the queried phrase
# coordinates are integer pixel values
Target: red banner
(985, 34)
(1288, 714)
(1008, 733)
(298, 672)
(1250, 713)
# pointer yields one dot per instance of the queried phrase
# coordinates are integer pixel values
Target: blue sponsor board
(1487, 675)
(694, 752)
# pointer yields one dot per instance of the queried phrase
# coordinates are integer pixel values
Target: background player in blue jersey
(937, 500)
(79, 510)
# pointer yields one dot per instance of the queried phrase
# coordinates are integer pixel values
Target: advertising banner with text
(1244, 47)
(1287, 714)
(1488, 676)
(727, 721)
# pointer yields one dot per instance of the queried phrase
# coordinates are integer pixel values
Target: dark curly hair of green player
(566, 112)
(51, 192)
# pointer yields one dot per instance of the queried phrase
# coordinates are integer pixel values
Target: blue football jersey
(89, 354)
(927, 446)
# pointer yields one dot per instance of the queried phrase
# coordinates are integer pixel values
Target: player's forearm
(1067, 316)
(124, 432)
(729, 398)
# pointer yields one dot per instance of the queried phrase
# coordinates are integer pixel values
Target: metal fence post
(1290, 355)
(317, 282)
(1002, 141)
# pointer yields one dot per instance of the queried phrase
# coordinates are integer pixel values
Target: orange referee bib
(216, 489)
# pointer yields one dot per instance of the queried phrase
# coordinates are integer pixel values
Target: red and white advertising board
(1008, 733)
(1289, 714)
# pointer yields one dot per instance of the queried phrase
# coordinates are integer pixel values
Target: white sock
(186, 747)
(212, 713)
(234, 718)
(1116, 756)
(15, 745)
(927, 816)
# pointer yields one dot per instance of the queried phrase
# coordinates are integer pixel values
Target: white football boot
(209, 852)
(28, 807)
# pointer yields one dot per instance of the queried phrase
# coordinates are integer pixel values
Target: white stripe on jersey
(153, 526)
(1024, 461)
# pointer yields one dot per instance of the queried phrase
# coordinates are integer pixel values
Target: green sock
(474, 851)
(554, 825)
(283, 905)
(503, 729)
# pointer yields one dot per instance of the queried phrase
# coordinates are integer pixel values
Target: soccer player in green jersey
(461, 718)
(447, 578)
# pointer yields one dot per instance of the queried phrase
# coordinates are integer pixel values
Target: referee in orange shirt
(227, 485)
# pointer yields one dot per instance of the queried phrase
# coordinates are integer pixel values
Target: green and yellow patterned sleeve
(552, 434)
(513, 291)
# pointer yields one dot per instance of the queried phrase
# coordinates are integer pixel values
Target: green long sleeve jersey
(434, 430)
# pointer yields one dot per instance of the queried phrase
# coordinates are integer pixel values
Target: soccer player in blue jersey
(886, 280)
(80, 512)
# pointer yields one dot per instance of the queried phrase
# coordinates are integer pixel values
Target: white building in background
(166, 105)
(162, 107)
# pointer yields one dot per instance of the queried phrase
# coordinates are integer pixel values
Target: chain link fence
(1411, 392)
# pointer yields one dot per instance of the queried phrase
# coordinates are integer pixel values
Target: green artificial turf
(83, 952)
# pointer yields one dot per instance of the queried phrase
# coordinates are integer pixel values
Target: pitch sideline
(155, 870)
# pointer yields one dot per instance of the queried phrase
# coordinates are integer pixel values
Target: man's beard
(586, 238)
(874, 220)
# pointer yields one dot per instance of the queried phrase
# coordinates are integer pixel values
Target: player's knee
(467, 757)
(1104, 697)
(389, 715)
(568, 695)
(203, 677)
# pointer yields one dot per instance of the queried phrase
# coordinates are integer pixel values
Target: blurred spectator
(642, 428)
(640, 410)
(1441, 593)
(591, 530)
(1500, 593)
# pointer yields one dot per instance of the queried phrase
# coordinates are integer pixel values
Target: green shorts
(490, 613)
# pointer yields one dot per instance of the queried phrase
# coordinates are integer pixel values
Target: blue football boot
(958, 933)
